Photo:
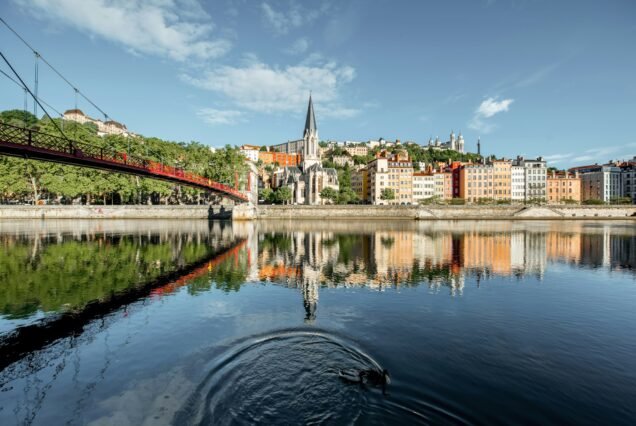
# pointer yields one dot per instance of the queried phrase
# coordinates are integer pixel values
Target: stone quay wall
(443, 212)
(116, 212)
(356, 212)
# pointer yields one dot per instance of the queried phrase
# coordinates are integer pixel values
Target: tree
(263, 149)
(347, 196)
(283, 195)
(267, 195)
(18, 117)
(387, 194)
(329, 193)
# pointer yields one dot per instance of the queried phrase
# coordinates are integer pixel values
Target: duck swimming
(369, 377)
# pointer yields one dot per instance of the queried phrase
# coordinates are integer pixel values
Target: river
(195, 322)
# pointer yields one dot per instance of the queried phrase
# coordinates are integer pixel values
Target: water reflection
(77, 295)
(437, 254)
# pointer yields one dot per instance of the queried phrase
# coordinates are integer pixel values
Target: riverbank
(355, 212)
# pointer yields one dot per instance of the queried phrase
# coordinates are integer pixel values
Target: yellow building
(360, 183)
(502, 180)
(563, 186)
(394, 172)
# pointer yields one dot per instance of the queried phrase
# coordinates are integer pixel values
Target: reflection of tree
(387, 242)
(228, 275)
(67, 276)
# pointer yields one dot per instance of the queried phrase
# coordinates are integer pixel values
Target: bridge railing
(79, 149)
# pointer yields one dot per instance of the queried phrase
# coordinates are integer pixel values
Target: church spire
(310, 122)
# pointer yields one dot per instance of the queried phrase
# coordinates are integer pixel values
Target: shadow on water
(30, 338)
(292, 376)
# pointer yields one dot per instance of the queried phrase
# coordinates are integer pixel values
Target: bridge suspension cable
(26, 94)
(35, 98)
(43, 59)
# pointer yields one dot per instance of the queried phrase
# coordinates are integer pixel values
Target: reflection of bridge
(32, 338)
(23, 142)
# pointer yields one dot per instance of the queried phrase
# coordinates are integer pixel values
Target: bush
(621, 200)
(593, 202)
(457, 201)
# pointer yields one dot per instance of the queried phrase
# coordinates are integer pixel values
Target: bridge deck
(22, 142)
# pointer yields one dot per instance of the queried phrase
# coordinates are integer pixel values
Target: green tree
(329, 193)
(283, 195)
(387, 194)
(267, 195)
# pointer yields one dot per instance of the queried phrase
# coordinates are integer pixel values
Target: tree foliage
(30, 181)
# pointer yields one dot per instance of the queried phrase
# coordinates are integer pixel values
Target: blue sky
(552, 78)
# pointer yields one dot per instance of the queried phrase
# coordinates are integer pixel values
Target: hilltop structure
(108, 127)
(455, 144)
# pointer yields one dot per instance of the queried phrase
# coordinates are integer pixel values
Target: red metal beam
(21, 142)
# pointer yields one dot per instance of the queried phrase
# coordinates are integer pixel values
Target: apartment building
(250, 152)
(517, 183)
(535, 178)
(280, 158)
(563, 186)
(423, 186)
(502, 180)
(392, 171)
(360, 183)
(476, 182)
(600, 182)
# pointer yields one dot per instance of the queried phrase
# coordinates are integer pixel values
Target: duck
(371, 377)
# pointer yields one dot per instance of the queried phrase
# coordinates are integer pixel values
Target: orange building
(563, 186)
(283, 159)
(476, 182)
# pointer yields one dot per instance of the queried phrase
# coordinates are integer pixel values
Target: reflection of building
(440, 254)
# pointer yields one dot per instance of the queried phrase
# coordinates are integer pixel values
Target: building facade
(108, 127)
(250, 152)
(393, 172)
(600, 182)
(563, 187)
(423, 186)
(535, 178)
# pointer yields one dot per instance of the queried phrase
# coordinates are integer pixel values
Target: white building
(456, 144)
(109, 127)
(535, 176)
(518, 183)
(423, 186)
(250, 152)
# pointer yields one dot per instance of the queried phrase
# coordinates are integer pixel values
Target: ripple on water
(290, 376)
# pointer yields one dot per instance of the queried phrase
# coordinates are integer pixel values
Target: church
(310, 178)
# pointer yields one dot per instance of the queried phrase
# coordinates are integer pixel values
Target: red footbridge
(28, 143)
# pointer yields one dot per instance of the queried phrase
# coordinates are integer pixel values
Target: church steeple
(310, 122)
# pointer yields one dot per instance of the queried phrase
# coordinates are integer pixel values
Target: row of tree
(31, 181)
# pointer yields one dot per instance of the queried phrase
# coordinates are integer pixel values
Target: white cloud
(299, 46)
(259, 87)
(487, 109)
(294, 17)
(217, 116)
(178, 29)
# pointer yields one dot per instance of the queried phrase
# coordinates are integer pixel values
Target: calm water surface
(186, 322)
